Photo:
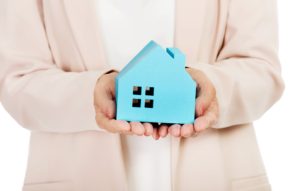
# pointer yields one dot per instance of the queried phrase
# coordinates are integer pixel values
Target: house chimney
(177, 55)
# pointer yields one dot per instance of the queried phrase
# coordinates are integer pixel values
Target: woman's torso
(95, 160)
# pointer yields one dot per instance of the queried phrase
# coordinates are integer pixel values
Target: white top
(127, 26)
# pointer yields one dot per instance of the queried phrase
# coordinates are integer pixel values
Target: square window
(137, 90)
(136, 103)
(149, 91)
(149, 103)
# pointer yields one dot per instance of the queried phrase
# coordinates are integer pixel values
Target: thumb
(105, 99)
(206, 95)
(206, 91)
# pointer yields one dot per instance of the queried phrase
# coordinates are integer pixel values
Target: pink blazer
(51, 55)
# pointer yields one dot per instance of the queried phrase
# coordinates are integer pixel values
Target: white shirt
(127, 26)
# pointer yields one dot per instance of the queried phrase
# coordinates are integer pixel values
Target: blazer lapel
(187, 35)
(83, 22)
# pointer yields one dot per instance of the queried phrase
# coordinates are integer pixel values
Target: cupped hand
(207, 109)
(105, 107)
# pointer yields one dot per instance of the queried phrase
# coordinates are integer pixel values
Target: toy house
(155, 87)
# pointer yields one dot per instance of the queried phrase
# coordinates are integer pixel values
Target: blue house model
(155, 87)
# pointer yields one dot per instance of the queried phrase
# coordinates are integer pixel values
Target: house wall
(174, 98)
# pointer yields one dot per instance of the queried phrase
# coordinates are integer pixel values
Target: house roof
(172, 53)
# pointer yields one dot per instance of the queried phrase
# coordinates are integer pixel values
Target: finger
(206, 91)
(108, 79)
(104, 100)
(105, 105)
(206, 95)
(155, 134)
(208, 119)
(109, 109)
(148, 129)
(187, 130)
(200, 124)
(163, 130)
(112, 125)
(137, 128)
(112, 87)
(175, 130)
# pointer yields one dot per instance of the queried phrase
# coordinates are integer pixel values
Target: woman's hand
(207, 109)
(105, 106)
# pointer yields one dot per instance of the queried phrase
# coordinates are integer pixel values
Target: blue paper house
(155, 87)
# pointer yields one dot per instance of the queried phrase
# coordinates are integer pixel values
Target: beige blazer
(51, 56)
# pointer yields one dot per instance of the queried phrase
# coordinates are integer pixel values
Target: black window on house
(137, 90)
(148, 102)
(136, 102)
(149, 91)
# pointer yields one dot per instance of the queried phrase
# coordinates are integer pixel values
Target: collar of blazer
(84, 25)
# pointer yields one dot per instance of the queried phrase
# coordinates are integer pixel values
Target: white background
(278, 131)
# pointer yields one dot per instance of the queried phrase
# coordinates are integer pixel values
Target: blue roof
(152, 45)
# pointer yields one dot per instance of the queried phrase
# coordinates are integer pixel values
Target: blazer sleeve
(247, 73)
(37, 93)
